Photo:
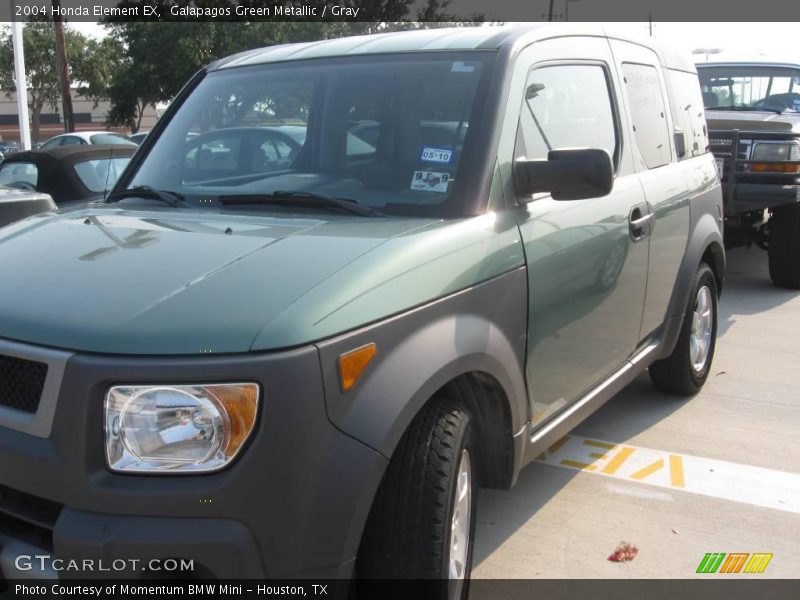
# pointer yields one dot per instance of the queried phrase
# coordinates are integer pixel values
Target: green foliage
(159, 57)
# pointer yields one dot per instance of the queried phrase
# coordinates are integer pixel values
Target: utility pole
(22, 83)
(63, 68)
(550, 13)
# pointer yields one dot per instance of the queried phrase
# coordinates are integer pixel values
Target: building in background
(88, 116)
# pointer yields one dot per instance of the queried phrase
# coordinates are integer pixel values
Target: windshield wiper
(310, 199)
(145, 191)
(746, 108)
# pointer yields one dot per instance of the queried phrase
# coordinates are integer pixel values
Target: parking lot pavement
(677, 477)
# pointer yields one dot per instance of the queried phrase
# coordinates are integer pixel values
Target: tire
(682, 372)
(784, 247)
(408, 531)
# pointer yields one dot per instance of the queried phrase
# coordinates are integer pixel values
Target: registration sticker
(436, 155)
(430, 181)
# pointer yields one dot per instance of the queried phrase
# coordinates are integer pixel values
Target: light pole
(707, 51)
(566, 8)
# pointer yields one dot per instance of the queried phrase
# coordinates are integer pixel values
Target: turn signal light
(774, 168)
(353, 363)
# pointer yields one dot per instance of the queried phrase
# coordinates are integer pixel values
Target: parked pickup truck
(753, 112)
(301, 357)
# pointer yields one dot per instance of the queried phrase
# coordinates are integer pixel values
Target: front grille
(28, 517)
(21, 383)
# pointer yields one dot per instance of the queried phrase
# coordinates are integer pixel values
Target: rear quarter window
(686, 103)
(101, 174)
(648, 113)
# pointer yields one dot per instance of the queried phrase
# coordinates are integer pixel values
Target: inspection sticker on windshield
(437, 155)
(430, 181)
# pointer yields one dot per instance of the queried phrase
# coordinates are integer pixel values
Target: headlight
(185, 428)
(775, 152)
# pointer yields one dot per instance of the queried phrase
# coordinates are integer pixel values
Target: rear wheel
(422, 523)
(685, 371)
(784, 247)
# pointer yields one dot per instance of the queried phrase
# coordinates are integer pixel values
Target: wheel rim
(702, 328)
(458, 552)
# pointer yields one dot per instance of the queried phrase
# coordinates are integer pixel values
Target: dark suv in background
(753, 114)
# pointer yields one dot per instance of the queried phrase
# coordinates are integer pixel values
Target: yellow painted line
(577, 465)
(769, 488)
(558, 444)
(596, 444)
(676, 470)
(616, 462)
(648, 470)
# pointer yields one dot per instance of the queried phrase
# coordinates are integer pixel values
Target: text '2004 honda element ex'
(344, 284)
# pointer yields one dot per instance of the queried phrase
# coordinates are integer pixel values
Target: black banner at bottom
(479, 589)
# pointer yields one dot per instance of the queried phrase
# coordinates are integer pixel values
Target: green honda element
(341, 286)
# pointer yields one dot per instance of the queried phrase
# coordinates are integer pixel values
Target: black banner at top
(404, 10)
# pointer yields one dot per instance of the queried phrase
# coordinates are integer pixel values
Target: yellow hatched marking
(676, 470)
(648, 470)
(616, 462)
(596, 444)
(558, 444)
(598, 455)
(577, 465)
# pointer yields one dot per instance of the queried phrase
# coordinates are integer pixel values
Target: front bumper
(293, 504)
(749, 197)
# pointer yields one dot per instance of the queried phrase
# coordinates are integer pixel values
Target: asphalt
(564, 522)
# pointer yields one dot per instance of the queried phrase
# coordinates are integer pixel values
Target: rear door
(587, 270)
(661, 175)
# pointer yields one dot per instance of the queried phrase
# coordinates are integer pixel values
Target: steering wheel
(22, 185)
(778, 101)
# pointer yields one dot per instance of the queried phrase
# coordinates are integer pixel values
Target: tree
(159, 57)
(40, 60)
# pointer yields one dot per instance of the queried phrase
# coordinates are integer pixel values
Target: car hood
(164, 281)
(752, 120)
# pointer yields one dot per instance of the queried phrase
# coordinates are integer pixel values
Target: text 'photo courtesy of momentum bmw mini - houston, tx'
(341, 286)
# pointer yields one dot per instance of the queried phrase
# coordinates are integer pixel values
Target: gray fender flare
(706, 235)
(481, 329)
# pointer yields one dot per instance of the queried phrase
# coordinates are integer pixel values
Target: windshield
(110, 138)
(757, 87)
(388, 132)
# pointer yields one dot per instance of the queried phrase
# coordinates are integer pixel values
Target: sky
(734, 40)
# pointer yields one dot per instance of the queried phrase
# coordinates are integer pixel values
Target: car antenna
(108, 173)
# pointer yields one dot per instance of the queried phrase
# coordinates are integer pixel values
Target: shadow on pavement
(748, 290)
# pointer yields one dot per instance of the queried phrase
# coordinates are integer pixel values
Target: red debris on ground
(624, 552)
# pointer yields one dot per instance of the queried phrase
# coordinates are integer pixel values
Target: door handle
(639, 224)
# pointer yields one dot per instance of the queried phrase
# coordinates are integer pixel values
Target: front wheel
(422, 523)
(685, 370)
(784, 247)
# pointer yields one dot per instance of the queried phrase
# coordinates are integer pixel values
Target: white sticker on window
(461, 67)
(439, 155)
(430, 181)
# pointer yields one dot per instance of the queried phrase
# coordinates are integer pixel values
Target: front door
(587, 259)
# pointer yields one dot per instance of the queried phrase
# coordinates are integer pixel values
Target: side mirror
(567, 174)
(680, 143)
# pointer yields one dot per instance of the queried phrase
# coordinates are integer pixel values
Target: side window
(686, 103)
(566, 106)
(71, 140)
(648, 113)
(17, 175)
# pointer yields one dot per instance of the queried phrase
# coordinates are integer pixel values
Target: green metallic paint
(161, 281)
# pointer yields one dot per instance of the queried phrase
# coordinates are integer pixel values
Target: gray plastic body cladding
(302, 488)
(705, 232)
(481, 329)
(15, 207)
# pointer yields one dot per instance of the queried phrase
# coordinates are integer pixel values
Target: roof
(454, 38)
(443, 39)
(74, 153)
(760, 61)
